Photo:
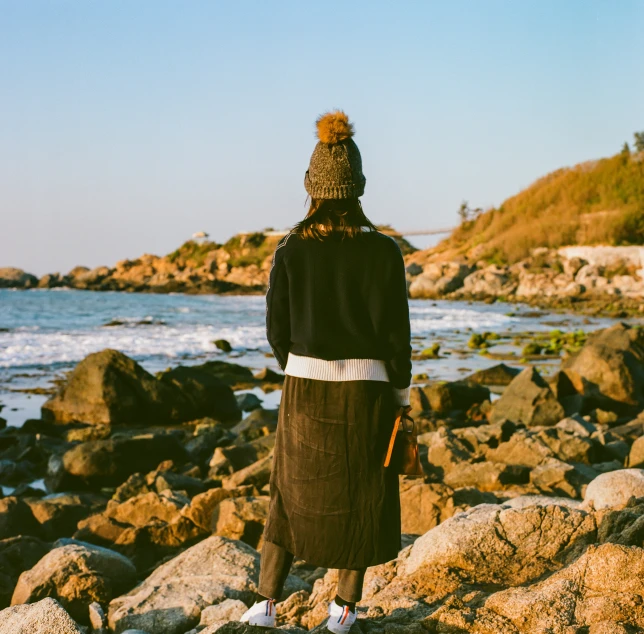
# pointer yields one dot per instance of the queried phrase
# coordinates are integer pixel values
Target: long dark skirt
(333, 503)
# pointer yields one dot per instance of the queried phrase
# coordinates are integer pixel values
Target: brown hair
(328, 215)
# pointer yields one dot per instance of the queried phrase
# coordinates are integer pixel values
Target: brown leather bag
(402, 454)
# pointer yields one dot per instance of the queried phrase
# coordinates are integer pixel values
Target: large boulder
(76, 574)
(108, 387)
(495, 544)
(16, 278)
(171, 599)
(110, 462)
(615, 488)
(528, 400)
(17, 554)
(610, 366)
(45, 617)
(604, 586)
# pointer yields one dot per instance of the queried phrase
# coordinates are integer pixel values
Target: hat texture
(335, 170)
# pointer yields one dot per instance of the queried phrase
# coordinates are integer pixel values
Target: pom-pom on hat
(335, 170)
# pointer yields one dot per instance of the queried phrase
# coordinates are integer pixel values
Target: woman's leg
(350, 587)
(274, 568)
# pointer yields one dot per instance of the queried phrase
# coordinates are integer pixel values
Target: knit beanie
(335, 170)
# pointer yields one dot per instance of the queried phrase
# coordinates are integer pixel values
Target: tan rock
(44, 617)
(615, 488)
(76, 574)
(606, 584)
(241, 518)
(494, 544)
(528, 400)
(171, 599)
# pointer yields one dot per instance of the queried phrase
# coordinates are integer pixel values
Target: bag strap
(392, 440)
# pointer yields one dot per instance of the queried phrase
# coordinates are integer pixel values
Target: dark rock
(206, 438)
(610, 365)
(223, 345)
(418, 400)
(269, 376)
(499, 374)
(108, 387)
(257, 474)
(528, 400)
(135, 485)
(227, 460)
(248, 402)
(259, 422)
(111, 462)
(455, 396)
(59, 514)
(13, 473)
(16, 278)
(232, 374)
(16, 518)
(203, 394)
(178, 482)
(17, 554)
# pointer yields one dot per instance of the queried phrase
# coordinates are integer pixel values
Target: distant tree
(626, 150)
(639, 141)
(464, 212)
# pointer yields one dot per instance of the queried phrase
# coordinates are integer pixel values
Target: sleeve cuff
(402, 396)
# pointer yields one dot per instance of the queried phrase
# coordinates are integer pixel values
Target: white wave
(19, 349)
(426, 318)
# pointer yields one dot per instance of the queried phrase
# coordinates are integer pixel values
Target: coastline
(592, 280)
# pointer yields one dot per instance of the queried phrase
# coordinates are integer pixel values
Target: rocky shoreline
(588, 279)
(528, 519)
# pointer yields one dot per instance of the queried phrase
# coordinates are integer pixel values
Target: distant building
(200, 236)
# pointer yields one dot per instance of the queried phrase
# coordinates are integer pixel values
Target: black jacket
(340, 298)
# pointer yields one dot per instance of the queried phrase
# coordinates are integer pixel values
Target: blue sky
(127, 126)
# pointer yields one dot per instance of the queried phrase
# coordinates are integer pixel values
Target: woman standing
(338, 322)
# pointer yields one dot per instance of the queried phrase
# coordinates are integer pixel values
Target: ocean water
(44, 333)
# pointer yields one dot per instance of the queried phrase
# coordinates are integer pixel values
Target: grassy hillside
(599, 202)
(246, 249)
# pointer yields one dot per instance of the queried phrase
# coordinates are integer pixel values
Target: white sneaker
(261, 614)
(340, 618)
